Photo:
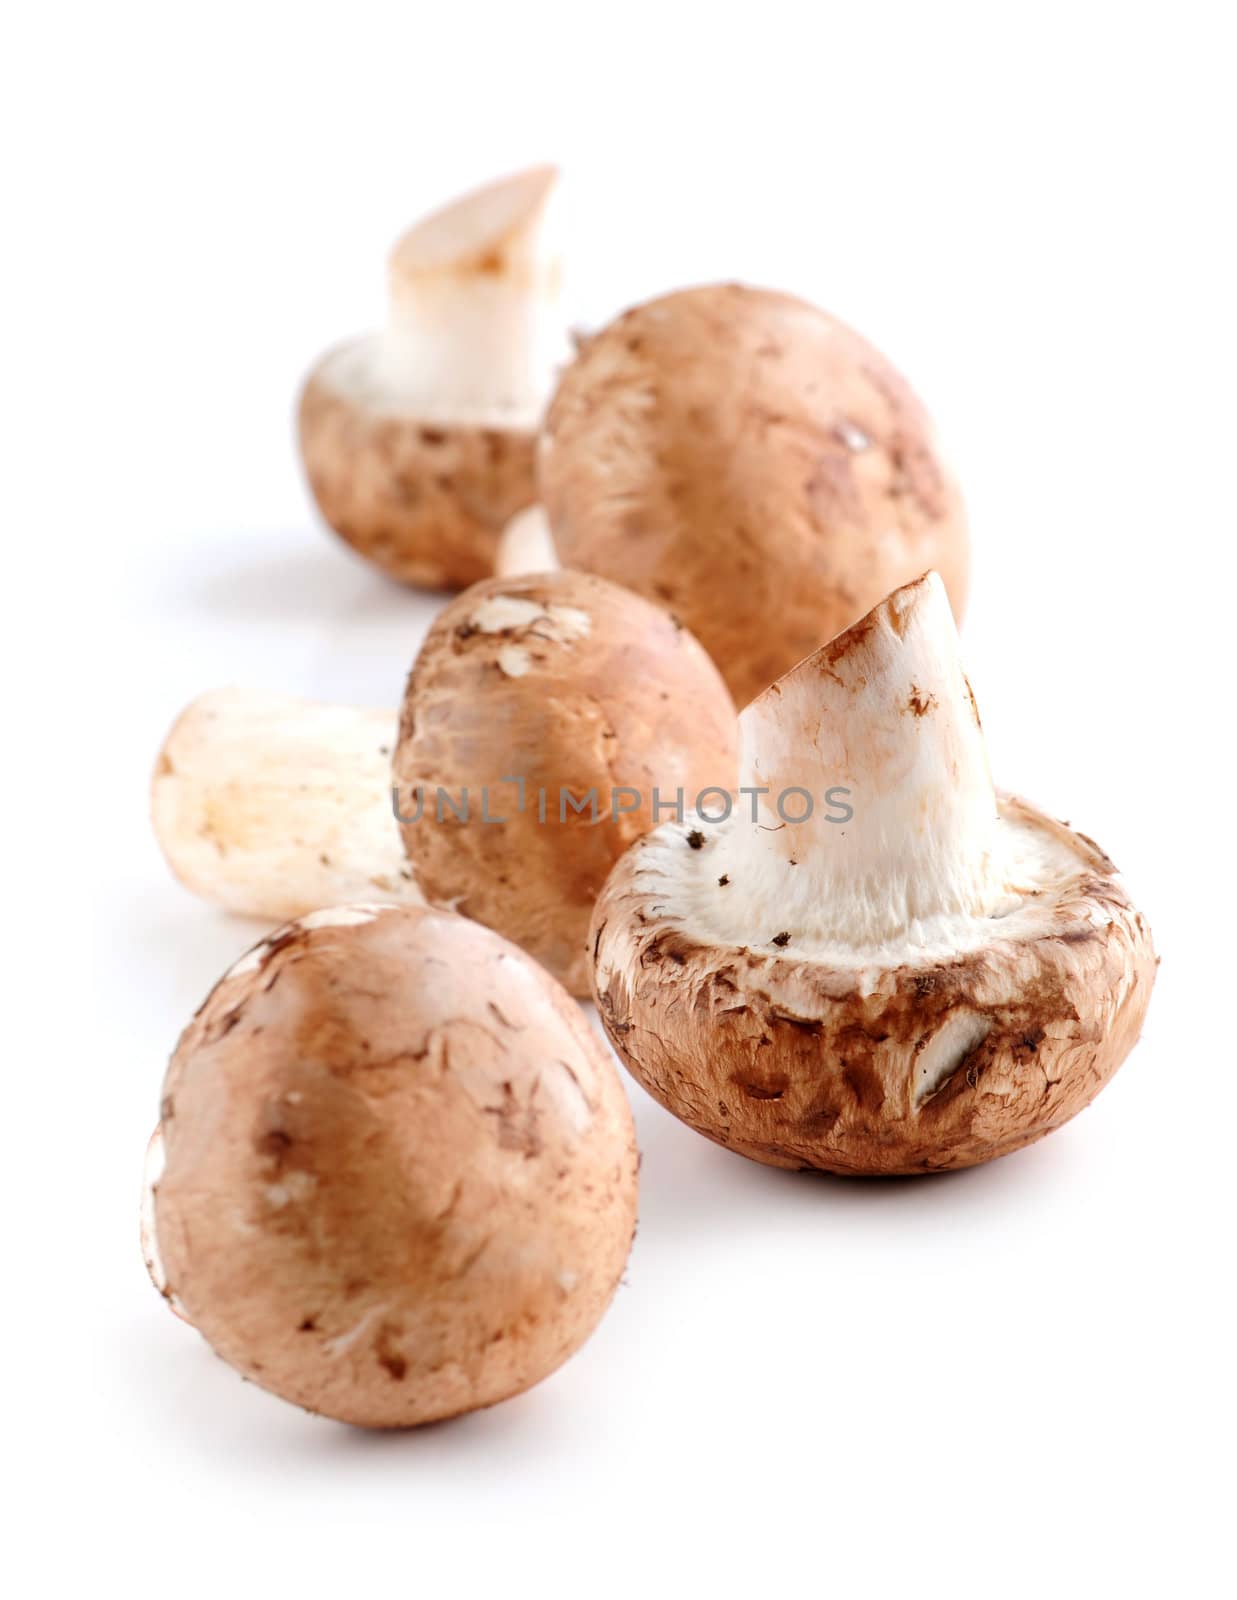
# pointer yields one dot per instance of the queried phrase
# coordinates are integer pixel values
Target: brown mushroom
(398, 1174)
(418, 440)
(550, 720)
(880, 965)
(748, 461)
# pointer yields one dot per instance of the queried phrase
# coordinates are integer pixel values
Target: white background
(1016, 1380)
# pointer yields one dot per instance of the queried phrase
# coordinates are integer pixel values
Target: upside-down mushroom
(418, 440)
(753, 464)
(878, 963)
(549, 720)
(398, 1174)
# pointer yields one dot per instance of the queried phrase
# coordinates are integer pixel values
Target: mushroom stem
(526, 545)
(271, 806)
(474, 325)
(885, 713)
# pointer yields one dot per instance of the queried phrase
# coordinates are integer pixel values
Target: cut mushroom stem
(474, 327)
(886, 713)
(526, 545)
(878, 963)
(272, 806)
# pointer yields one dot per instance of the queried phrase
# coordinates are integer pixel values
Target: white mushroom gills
(475, 327)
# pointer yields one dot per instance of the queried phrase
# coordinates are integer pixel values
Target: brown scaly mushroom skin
(753, 464)
(566, 681)
(1020, 994)
(424, 501)
(399, 1176)
(419, 440)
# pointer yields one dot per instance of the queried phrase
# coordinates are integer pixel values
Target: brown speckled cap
(565, 682)
(753, 464)
(399, 1173)
(424, 500)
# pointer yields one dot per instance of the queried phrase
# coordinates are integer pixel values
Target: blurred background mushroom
(418, 440)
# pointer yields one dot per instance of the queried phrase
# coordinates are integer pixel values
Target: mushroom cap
(569, 683)
(752, 463)
(400, 1172)
(899, 1063)
(424, 500)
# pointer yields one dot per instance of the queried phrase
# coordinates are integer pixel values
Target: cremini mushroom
(272, 806)
(526, 545)
(418, 440)
(398, 1175)
(550, 720)
(878, 963)
(751, 463)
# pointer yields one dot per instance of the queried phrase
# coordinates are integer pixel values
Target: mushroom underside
(902, 1059)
